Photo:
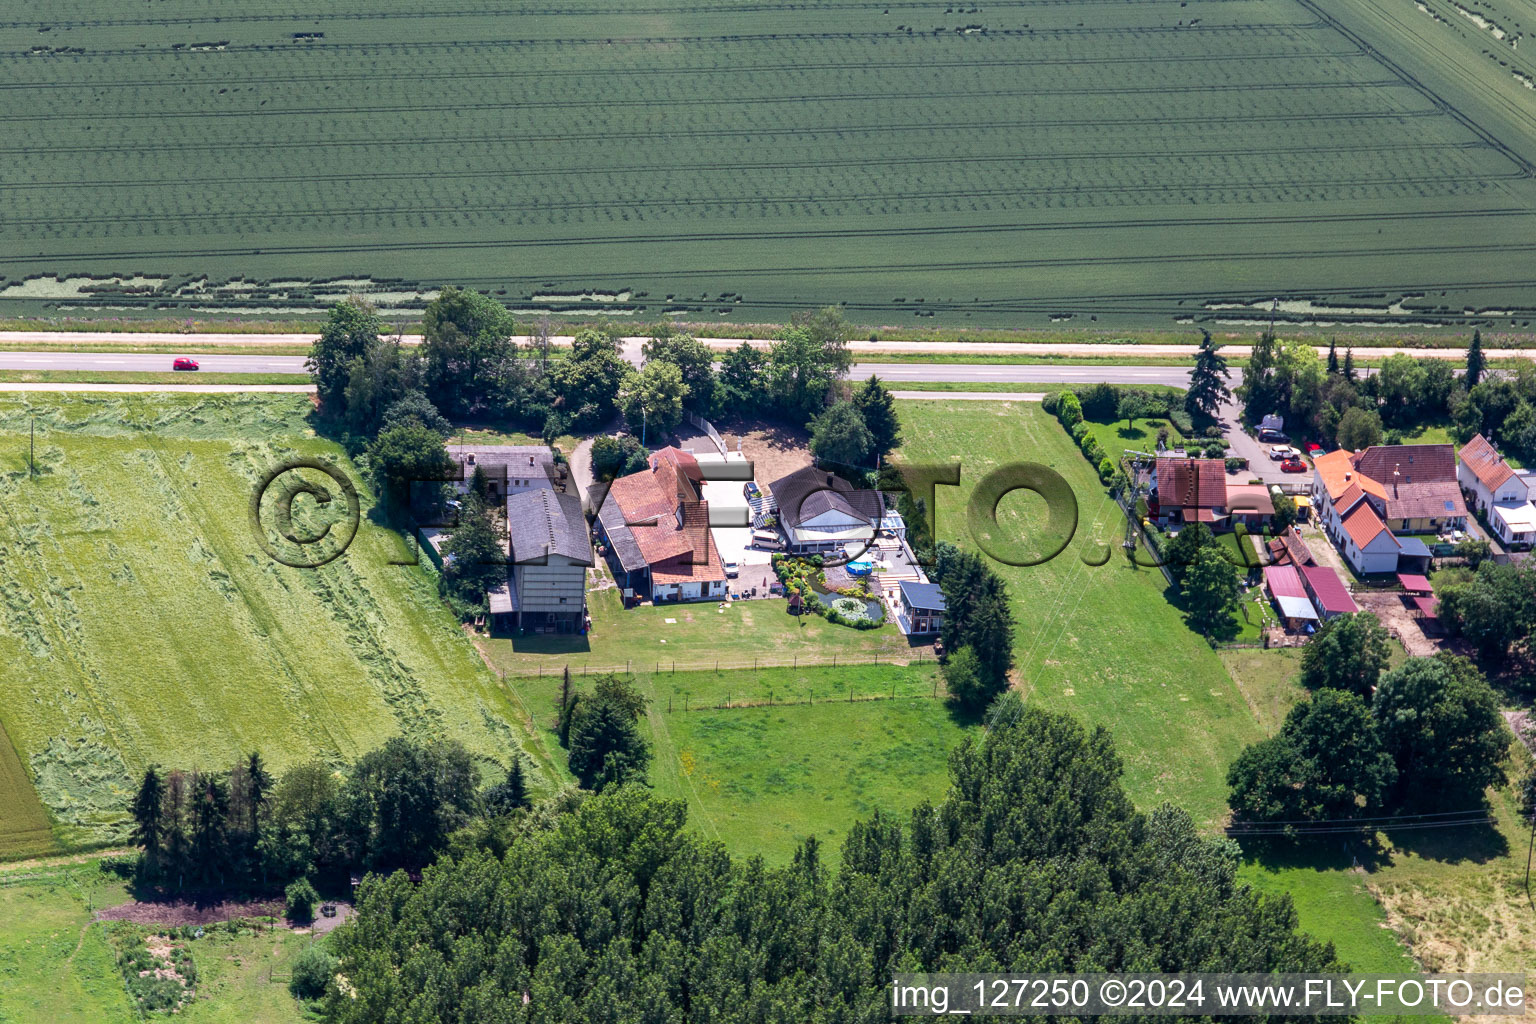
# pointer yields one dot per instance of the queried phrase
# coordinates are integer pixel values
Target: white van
(767, 540)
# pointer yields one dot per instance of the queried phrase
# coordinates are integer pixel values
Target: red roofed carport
(1414, 584)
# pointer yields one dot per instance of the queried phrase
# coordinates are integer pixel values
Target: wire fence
(671, 666)
(728, 702)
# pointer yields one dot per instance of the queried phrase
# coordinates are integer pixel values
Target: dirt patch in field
(775, 451)
(1400, 621)
(190, 910)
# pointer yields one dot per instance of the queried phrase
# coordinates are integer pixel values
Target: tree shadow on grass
(1317, 853)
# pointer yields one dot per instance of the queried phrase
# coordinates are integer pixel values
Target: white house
(821, 512)
(1498, 491)
(1489, 480)
(1365, 540)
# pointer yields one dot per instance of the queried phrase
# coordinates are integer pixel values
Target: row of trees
(470, 365)
(1035, 857)
(1424, 737)
(978, 626)
(1336, 402)
(393, 808)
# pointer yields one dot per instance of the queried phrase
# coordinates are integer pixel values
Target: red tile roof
(1191, 483)
(1363, 525)
(1328, 590)
(1486, 463)
(651, 501)
(1418, 481)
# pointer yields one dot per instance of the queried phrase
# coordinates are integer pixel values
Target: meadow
(59, 965)
(142, 622)
(1124, 162)
(1099, 641)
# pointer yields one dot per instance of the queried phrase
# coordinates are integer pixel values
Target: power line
(1369, 819)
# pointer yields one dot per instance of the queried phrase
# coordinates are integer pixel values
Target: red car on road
(183, 363)
(1293, 466)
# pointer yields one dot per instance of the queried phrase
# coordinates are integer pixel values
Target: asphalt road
(153, 363)
(893, 372)
(984, 373)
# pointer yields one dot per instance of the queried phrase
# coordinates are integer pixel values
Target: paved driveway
(1245, 446)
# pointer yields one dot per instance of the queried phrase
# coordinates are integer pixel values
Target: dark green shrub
(313, 970)
(301, 897)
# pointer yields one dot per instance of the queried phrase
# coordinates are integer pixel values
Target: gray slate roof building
(501, 462)
(927, 596)
(808, 492)
(623, 542)
(543, 522)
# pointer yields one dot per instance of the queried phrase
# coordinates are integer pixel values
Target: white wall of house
(1515, 490)
(1380, 555)
(694, 590)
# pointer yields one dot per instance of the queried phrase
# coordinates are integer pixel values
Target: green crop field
(1021, 162)
(141, 621)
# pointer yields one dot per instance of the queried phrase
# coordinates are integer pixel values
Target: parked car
(751, 490)
(732, 570)
(1281, 452)
(1293, 466)
(183, 363)
(1268, 436)
(767, 540)
(1314, 449)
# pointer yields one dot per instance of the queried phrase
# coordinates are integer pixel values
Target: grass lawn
(697, 636)
(56, 964)
(1115, 438)
(1267, 681)
(1101, 642)
(762, 778)
(141, 622)
(243, 977)
(960, 385)
(59, 967)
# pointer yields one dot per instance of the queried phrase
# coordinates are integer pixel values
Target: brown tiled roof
(1432, 499)
(695, 566)
(1191, 483)
(649, 502)
(1290, 548)
(1417, 463)
(1363, 525)
(1486, 463)
(1415, 481)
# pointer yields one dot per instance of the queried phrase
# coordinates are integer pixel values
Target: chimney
(1396, 473)
(829, 479)
(1347, 475)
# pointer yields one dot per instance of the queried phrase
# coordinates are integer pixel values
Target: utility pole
(1531, 848)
